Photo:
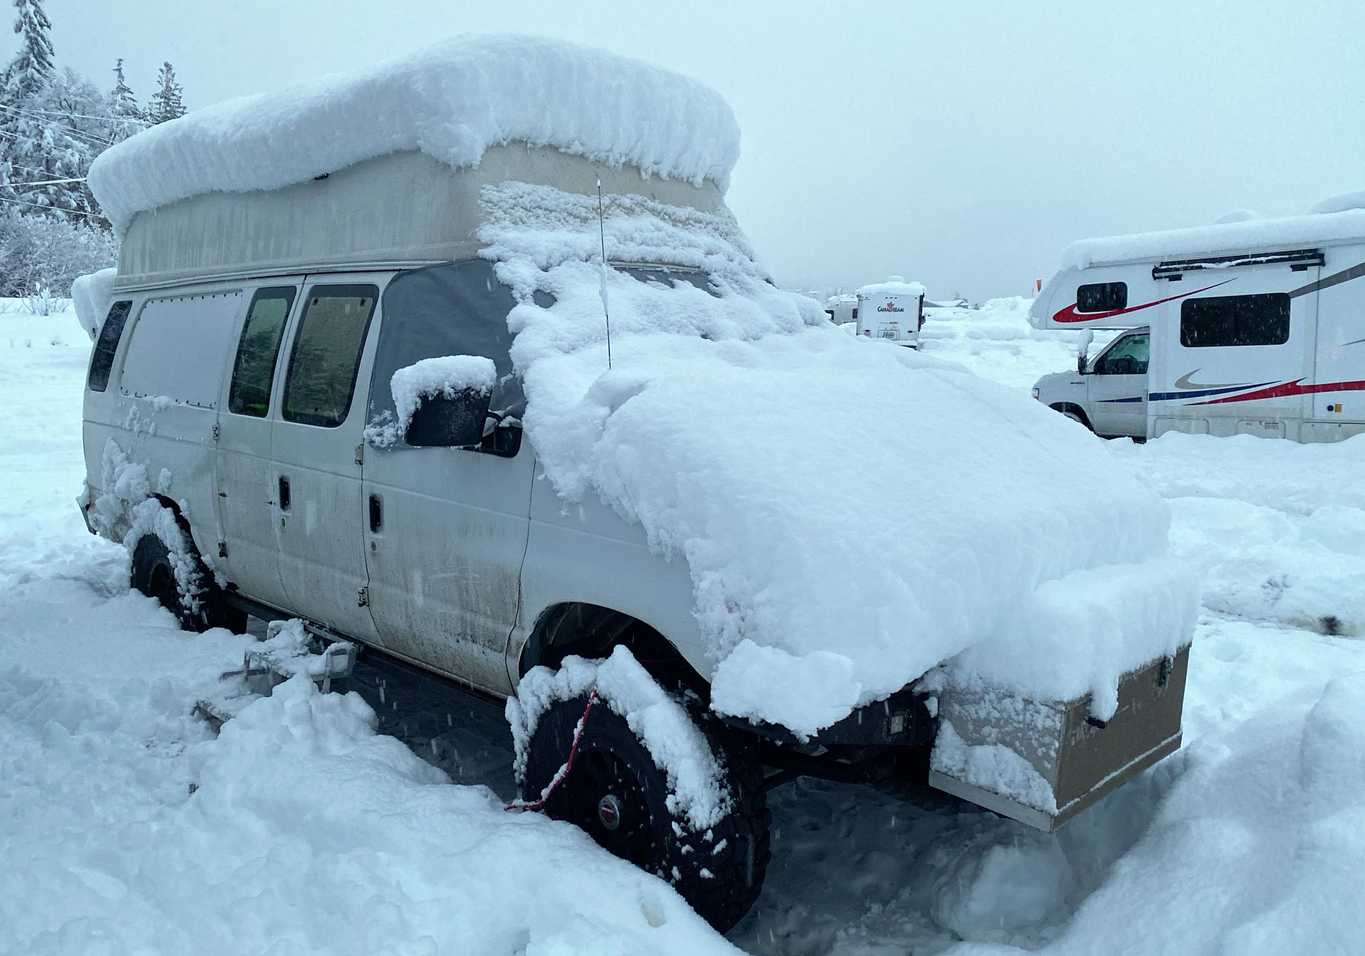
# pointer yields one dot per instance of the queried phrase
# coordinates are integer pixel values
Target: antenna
(602, 234)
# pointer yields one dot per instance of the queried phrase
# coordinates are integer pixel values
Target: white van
(326, 389)
(1254, 329)
(891, 311)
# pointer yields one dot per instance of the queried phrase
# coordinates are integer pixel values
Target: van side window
(1235, 320)
(454, 309)
(1128, 356)
(1102, 297)
(253, 371)
(102, 358)
(326, 354)
(177, 348)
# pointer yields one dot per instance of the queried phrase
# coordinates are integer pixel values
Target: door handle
(284, 493)
(376, 514)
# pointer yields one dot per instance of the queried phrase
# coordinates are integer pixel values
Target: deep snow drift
(451, 101)
(766, 447)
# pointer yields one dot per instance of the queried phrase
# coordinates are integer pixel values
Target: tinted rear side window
(326, 354)
(1235, 320)
(102, 358)
(253, 371)
(1102, 297)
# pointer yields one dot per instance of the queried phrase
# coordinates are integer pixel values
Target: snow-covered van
(1248, 327)
(464, 360)
(891, 311)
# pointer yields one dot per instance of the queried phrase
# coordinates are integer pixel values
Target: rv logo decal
(890, 306)
(1069, 314)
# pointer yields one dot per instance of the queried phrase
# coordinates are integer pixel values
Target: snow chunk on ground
(672, 738)
(833, 499)
(451, 101)
(91, 295)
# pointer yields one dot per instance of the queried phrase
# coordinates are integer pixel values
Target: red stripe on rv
(1069, 314)
(1288, 389)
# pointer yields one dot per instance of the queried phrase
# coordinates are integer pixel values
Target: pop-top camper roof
(386, 165)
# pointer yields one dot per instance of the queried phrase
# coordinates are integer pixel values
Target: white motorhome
(842, 309)
(335, 366)
(1253, 327)
(891, 311)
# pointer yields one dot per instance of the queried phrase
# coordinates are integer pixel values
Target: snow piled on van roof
(851, 515)
(452, 101)
(1253, 235)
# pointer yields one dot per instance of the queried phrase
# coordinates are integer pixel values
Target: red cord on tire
(562, 774)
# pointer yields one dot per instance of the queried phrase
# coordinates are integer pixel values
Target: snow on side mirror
(1086, 338)
(443, 402)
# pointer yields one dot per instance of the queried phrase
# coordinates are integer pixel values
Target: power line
(74, 212)
(50, 182)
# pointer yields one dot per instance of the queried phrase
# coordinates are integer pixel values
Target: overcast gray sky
(961, 143)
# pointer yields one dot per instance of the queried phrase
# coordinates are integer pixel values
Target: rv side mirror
(1080, 363)
(449, 420)
(1087, 336)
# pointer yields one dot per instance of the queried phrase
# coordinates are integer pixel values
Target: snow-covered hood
(851, 515)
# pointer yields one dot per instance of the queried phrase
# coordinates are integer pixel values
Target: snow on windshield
(452, 101)
(851, 515)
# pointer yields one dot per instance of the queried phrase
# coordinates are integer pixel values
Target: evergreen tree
(166, 103)
(32, 66)
(55, 133)
(125, 116)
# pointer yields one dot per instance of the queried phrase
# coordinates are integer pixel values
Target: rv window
(178, 346)
(1235, 320)
(253, 371)
(102, 358)
(1102, 297)
(1127, 356)
(455, 309)
(326, 354)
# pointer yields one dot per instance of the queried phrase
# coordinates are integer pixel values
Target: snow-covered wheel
(172, 572)
(713, 848)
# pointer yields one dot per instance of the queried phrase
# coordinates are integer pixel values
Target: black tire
(611, 761)
(153, 573)
(1074, 413)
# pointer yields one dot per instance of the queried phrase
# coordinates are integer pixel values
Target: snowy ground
(126, 827)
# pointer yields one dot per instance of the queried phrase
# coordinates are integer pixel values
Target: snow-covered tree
(166, 103)
(51, 138)
(126, 117)
(32, 66)
(40, 257)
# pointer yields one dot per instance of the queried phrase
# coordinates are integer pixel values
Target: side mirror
(1087, 337)
(449, 420)
(443, 402)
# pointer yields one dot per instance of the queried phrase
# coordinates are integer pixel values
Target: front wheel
(618, 794)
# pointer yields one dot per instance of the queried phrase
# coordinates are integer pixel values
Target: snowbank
(1291, 232)
(451, 101)
(91, 295)
(734, 428)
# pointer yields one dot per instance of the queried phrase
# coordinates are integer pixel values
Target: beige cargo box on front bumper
(1042, 762)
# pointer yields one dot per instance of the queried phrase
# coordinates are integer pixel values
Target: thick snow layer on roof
(452, 101)
(1226, 239)
(1342, 203)
(891, 287)
(851, 515)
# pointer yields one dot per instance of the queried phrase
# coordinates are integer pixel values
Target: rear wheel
(619, 796)
(153, 572)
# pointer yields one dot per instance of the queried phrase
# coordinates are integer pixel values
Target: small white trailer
(1256, 327)
(892, 311)
(842, 308)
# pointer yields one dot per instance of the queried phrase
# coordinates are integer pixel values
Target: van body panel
(587, 553)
